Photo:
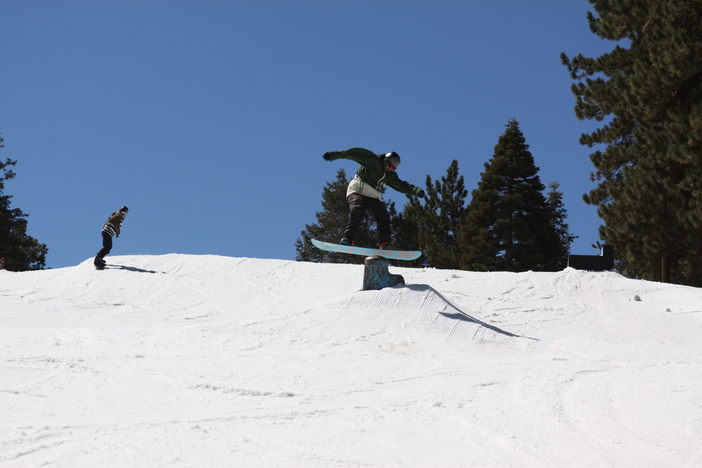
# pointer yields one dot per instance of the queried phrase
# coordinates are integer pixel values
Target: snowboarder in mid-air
(111, 228)
(364, 190)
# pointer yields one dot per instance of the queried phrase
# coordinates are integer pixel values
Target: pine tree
(406, 226)
(648, 90)
(559, 214)
(19, 250)
(644, 221)
(434, 226)
(509, 225)
(330, 225)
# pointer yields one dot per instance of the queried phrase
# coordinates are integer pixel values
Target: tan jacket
(114, 223)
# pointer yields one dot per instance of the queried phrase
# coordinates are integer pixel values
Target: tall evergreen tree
(434, 226)
(509, 225)
(648, 90)
(330, 225)
(559, 214)
(20, 250)
(406, 225)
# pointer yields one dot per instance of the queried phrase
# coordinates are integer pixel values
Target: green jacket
(372, 170)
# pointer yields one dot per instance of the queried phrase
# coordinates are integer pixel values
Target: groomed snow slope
(209, 361)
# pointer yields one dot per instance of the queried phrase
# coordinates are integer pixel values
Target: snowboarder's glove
(327, 156)
(421, 194)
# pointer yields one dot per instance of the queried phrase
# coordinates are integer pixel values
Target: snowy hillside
(208, 361)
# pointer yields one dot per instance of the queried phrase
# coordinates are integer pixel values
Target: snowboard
(367, 251)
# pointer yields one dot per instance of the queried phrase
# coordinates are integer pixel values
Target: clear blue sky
(209, 118)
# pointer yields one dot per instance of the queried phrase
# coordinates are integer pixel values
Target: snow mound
(185, 360)
(405, 313)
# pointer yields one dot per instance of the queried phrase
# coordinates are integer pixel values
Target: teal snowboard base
(367, 251)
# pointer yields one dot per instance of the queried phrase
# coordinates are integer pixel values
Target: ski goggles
(393, 163)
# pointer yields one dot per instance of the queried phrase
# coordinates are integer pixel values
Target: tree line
(647, 154)
(510, 224)
(646, 95)
(18, 250)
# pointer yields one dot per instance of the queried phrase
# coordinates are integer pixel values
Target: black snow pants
(106, 247)
(358, 204)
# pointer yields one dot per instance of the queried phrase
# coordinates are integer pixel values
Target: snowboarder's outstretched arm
(392, 180)
(372, 171)
(360, 155)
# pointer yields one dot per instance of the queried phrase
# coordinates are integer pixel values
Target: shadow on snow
(458, 314)
(128, 268)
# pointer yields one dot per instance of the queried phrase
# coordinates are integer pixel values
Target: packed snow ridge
(180, 360)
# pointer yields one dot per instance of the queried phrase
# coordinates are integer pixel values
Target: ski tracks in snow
(204, 360)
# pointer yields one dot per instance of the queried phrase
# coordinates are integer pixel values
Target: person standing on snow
(111, 228)
(364, 191)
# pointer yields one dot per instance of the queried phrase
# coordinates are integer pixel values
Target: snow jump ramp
(404, 313)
